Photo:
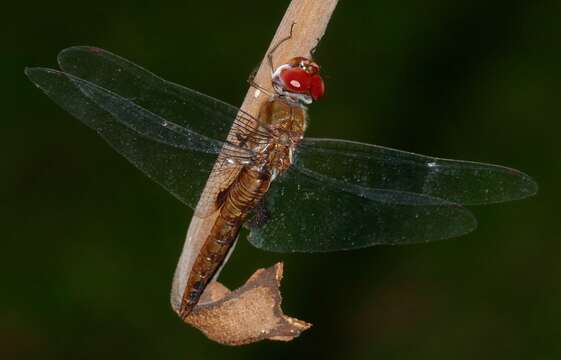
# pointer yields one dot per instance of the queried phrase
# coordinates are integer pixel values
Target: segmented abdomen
(237, 201)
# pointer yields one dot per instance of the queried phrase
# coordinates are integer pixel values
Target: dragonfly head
(299, 80)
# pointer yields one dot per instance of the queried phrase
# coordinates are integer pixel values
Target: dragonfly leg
(313, 50)
(259, 87)
(251, 77)
(274, 48)
(242, 139)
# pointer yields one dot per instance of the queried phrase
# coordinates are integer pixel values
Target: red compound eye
(296, 80)
(317, 87)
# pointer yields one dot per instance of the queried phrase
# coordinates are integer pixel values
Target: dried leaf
(249, 314)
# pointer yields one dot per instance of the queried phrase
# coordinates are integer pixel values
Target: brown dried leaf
(249, 314)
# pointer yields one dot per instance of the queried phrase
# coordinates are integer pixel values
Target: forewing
(185, 107)
(313, 213)
(175, 157)
(377, 167)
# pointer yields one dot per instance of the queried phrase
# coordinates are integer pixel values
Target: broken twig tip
(249, 314)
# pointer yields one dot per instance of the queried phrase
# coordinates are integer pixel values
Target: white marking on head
(295, 83)
(256, 93)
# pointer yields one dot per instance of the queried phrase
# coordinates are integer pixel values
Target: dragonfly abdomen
(237, 201)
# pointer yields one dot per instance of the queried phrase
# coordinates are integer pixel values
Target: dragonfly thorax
(299, 81)
(286, 124)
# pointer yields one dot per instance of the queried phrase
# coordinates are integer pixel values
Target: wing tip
(28, 71)
(531, 186)
(32, 70)
(88, 48)
(522, 186)
(37, 75)
(64, 56)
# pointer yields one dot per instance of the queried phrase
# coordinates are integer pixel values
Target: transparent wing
(315, 213)
(190, 109)
(176, 157)
(377, 167)
(345, 195)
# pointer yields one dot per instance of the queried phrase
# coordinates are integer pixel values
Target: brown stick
(308, 19)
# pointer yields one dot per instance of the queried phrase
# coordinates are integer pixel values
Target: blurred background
(89, 244)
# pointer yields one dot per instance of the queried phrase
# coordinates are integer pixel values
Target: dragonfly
(293, 193)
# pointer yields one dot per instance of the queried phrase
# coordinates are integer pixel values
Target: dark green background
(89, 244)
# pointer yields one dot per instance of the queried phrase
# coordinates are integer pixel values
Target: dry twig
(253, 312)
